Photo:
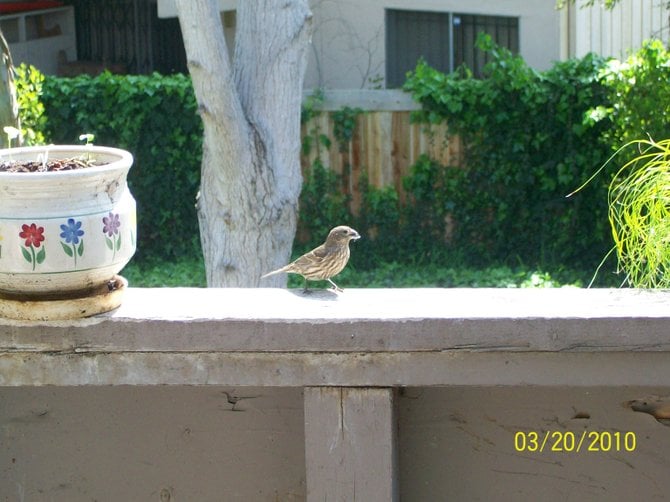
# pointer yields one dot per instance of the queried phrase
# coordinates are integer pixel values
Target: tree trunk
(251, 180)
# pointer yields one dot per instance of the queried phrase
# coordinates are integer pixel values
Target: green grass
(191, 273)
(157, 274)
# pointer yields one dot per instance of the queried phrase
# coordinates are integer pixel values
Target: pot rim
(125, 159)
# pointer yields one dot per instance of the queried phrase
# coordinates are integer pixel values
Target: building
(373, 43)
(356, 43)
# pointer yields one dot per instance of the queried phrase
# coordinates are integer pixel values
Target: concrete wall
(349, 38)
(150, 444)
(348, 46)
(67, 444)
(348, 49)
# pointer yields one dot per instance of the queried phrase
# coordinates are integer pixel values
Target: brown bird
(325, 261)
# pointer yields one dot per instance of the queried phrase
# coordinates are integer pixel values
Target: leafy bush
(29, 82)
(527, 145)
(322, 204)
(639, 97)
(155, 118)
(379, 222)
(152, 273)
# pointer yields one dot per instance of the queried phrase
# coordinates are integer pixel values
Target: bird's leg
(335, 286)
(305, 288)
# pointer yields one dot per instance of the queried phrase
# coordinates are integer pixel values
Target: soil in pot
(31, 166)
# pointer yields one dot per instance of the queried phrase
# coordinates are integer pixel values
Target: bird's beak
(355, 235)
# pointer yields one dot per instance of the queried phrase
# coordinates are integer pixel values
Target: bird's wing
(314, 257)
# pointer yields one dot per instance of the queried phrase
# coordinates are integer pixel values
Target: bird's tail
(278, 271)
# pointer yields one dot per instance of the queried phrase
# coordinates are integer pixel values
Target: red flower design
(33, 235)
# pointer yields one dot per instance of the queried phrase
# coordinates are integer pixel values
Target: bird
(325, 261)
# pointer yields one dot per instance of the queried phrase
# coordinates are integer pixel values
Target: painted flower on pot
(110, 226)
(72, 243)
(33, 252)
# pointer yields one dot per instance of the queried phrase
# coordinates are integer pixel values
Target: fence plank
(385, 143)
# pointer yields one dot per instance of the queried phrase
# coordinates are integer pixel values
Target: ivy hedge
(527, 145)
(154, 117)
(530, 139)
(533, 137)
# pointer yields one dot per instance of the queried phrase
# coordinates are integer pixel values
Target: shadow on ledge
(316, 294)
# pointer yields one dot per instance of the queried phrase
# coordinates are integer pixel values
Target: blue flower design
(72, 244)
(71, 231)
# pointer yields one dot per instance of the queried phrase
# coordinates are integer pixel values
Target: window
(445, 40)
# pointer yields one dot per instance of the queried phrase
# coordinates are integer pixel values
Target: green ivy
(378, 221)
(323, 205)
(527, 145)
(344, 125)
(155, 118)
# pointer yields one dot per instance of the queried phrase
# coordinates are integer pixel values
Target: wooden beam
(350, 446)
(276, 369)
(366, 99)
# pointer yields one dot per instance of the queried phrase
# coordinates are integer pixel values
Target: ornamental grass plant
(639, 213)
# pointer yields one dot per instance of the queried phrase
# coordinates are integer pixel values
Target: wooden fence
(385, 143)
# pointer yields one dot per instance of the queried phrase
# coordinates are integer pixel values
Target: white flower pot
(63, 234)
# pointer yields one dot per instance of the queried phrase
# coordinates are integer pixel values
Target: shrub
(29, 82)
(322, 205)
(527, 145)
(155, 118)
(639, 97)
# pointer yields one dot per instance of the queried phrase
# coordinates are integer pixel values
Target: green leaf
(67, 249)
(27, 255)
(80, 248)
(41, 255)
(109, 243)
(118, 243)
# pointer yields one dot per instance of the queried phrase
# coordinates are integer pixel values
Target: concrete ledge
(364, 337)
(348, 353)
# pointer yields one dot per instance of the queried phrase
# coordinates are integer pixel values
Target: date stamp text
(569, 442)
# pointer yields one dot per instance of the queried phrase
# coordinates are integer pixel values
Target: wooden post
(350, 443)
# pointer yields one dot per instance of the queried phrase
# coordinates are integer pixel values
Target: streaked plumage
(325, 261)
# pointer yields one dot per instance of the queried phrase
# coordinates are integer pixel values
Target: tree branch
(210, 68)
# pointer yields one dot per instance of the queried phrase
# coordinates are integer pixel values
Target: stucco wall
(348, 44)
(185, 443)
(349, 35)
